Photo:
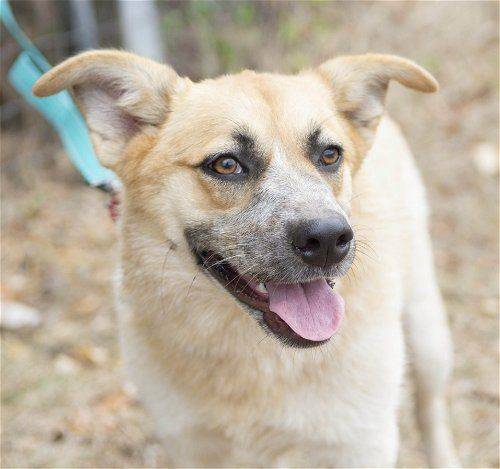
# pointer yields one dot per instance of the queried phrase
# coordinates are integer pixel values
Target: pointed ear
(120, 95)
(360, 82)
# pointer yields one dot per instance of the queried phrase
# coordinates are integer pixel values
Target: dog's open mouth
(300, 314)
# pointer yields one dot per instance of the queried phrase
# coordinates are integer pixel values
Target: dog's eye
(226, 164)
(331, 155)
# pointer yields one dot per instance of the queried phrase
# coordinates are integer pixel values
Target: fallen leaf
(485, 158)
(89, 355)
(15, 316)
(66, 365)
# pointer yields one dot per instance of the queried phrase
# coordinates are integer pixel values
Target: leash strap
(59, 109)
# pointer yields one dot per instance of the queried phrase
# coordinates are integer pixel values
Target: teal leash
(59, 109)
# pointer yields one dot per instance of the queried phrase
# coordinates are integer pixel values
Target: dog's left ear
(359, 84)
(119, 93)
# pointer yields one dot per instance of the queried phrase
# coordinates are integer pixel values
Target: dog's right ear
(359, 84)
(119, 93)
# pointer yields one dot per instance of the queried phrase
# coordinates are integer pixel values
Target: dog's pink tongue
(312, 310)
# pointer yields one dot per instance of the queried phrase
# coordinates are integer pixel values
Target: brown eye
(331, 155)
(226, 165)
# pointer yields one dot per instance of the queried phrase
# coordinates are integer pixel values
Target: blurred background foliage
(207, 38)
(64, 403)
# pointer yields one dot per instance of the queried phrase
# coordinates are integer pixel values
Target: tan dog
(264, 212)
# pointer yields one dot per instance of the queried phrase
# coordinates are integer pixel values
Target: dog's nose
(322, 242)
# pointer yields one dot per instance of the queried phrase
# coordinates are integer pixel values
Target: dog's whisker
(191, 285)
(162, 286)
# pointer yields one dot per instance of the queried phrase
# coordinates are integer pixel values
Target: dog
(275, 255)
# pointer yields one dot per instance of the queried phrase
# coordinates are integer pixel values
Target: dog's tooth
(261, 288)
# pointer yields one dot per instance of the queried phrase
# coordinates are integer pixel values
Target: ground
(65, 402)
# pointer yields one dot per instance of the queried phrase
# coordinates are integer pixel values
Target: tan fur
(221, 391)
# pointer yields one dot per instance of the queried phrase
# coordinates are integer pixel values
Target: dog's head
(249, 173)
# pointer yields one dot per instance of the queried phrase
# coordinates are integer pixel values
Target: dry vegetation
(64, 403)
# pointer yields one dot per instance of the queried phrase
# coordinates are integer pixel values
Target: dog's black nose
(322, 242)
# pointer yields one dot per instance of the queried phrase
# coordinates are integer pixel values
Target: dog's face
(267, 165)
(250, 173)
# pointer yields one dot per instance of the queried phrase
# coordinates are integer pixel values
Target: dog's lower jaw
(252, 298)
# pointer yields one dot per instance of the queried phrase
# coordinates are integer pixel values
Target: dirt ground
(65, 402)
